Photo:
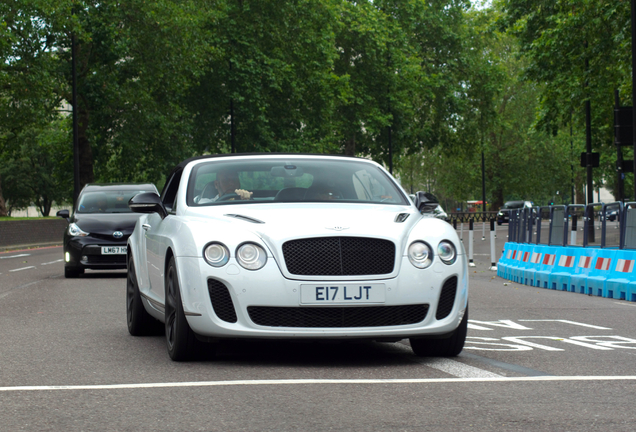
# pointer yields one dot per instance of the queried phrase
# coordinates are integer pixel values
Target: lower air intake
(337, 317)
(446, 298)
(221, 301)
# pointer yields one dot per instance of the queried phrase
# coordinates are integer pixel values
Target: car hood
(278, 224)
(106, 223)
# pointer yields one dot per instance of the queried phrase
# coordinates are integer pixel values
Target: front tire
(448, 347)
(140, 322)
(180, 339)
(71, 273)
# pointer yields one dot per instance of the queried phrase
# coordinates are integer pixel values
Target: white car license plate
(114, 250)
(354, 293)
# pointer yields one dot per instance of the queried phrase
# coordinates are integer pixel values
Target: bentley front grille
(339, 256)
(221, 301)
(337, 317)
(446, 298)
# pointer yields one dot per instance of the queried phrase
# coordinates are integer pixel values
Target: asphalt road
(535, 360)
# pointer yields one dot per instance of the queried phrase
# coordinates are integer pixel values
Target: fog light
(84, 258)
(67, 257)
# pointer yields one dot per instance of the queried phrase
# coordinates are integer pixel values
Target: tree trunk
(85, 151)
(3, 206)
(350, 146)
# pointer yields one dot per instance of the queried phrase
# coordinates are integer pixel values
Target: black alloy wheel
(140, 322)
(181, 340)
(446, 347)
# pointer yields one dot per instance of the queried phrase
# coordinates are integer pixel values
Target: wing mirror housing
(63, 214)
(425, 202)
(147, 202)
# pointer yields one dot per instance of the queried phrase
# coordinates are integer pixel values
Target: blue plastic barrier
(581, 270)
(520, 263)
(545, 266)
(566, 260)
(504, 261)
(534, 258)
(621, 283)
(600, 271)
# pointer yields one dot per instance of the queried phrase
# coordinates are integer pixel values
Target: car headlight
(251, 256)
(216, 254)
(75, 231)
(446, 252)
(420, 254)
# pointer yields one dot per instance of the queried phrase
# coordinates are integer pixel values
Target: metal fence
(611, 226)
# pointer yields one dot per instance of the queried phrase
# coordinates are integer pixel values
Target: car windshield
(291, 180)
(108, 201)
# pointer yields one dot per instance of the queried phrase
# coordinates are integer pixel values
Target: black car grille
(339, 256)
(343, 317)
(106, 259)
(221, 301)
(446, 298)
(110, 237)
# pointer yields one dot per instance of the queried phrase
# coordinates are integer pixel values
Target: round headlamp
(446, 252)
(251, 256)
(216, 254)
(420, 254)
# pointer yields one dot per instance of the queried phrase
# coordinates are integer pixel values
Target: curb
(17, 248)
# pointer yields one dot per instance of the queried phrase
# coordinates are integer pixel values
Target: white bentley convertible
(280, 246)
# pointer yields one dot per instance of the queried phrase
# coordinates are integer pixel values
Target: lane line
(569, 322)
(446, 365)
(321, 381)
(507, 366)
(15, 256)
(20, 269)
(53, 262)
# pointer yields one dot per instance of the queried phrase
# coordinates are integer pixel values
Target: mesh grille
(374, 316)
(447, 298)
(339, 256)
(221, 301)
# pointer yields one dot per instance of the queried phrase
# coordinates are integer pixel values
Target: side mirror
(425, 202)
(147, 202)
(63, 214)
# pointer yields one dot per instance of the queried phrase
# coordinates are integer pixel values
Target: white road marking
(626, 304)
(458, 369)
(449, 366)
(476, 327)
(569, 322)
(321, 381)
(20, 269)
(15, 256)
(53, 262)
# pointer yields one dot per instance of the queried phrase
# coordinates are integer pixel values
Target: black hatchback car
(503, 215)
(98, 229)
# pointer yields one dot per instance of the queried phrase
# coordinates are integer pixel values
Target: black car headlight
(420, 254)
(75, 231)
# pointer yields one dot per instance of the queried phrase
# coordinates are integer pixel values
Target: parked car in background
(98, 229)
(274, 246)
(503, 216)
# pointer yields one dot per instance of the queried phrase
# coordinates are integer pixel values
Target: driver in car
(227, 182)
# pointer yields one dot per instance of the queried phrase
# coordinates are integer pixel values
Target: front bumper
(86, 253)
(267, 290)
